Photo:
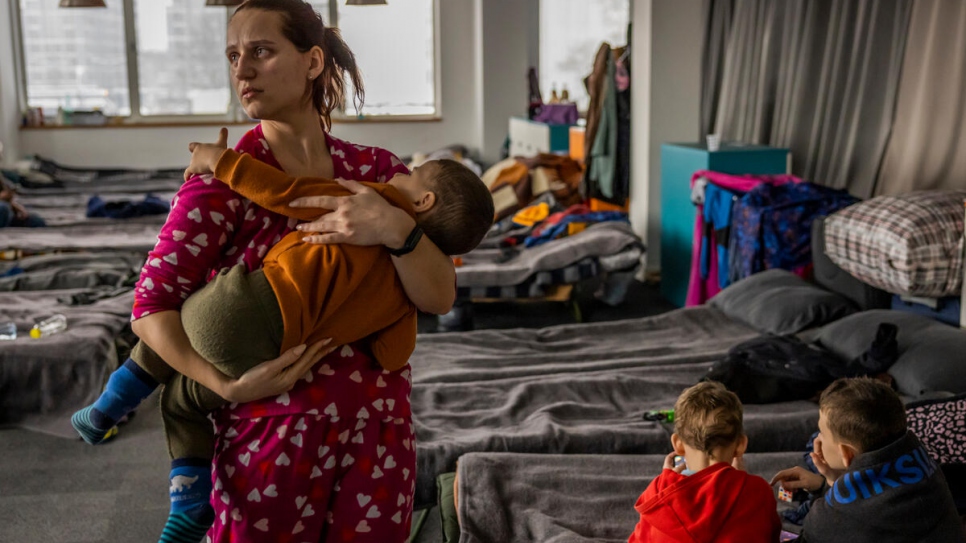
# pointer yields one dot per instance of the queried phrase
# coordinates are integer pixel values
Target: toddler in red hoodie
(709, 497)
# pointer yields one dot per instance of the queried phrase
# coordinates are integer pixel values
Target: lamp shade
(228, 3)
(82, 4)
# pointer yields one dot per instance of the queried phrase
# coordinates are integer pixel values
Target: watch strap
(411, 241)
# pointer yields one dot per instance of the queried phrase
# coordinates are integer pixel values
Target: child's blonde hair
(708, 416)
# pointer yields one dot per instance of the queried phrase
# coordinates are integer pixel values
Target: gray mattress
(565, 498)
(43, 381)
(575, 389)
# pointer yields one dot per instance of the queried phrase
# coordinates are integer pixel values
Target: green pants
(235, 323)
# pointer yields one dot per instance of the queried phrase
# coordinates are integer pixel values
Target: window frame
(234, 115)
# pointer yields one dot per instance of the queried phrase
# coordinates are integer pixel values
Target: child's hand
(204, 156)
(796, 478)
(669, 463)
(818, 458)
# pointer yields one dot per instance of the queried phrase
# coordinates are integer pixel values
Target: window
(180, 57)
(396, 62)
(77, 58)
(571, 31)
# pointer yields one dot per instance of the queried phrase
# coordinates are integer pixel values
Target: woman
(332, 459)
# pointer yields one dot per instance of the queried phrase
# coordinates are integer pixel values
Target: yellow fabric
(576, 228)
(530, 216)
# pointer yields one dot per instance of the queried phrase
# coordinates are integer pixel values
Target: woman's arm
(365, 218)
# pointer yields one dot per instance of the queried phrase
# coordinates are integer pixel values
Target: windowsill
(186, 124)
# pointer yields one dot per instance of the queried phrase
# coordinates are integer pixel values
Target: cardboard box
(577, 135)
(530, 138)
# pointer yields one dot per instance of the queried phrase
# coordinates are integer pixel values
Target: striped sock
(191, 513)
(89, 424)
(125, 390)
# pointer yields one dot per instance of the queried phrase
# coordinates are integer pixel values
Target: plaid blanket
(909, 244)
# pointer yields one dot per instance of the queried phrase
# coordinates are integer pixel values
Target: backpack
(770, 369)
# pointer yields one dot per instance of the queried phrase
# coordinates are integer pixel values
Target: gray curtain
(928, 145)
(819, 77)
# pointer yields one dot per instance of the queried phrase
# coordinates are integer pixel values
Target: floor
(57, 490)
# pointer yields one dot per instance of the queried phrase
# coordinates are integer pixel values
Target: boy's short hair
(463, 212)
(863, 412)
(708, 416)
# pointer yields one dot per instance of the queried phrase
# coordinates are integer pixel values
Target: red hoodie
(717, 504)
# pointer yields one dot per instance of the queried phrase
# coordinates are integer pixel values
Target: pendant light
(226, 3)
(82, 4)
(365, 2)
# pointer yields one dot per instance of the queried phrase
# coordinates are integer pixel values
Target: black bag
(770, 369)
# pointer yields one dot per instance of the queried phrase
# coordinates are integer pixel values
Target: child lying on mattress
(303, 294)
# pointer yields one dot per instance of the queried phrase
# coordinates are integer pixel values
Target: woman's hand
(365, 218)
(204, 156)
(796, 478)
(275, 376)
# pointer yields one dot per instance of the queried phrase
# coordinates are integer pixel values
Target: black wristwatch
(411, 241)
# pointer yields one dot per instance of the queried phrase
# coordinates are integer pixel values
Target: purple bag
(557, 114)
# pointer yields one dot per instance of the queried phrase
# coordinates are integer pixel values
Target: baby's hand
(204, 156)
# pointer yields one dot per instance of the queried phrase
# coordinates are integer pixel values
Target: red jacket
(717, 504)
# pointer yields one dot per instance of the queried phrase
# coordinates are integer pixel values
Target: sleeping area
(434, 271)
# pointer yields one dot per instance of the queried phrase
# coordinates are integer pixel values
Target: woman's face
(269, 74)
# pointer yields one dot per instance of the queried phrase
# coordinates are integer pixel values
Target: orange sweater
(344, 292)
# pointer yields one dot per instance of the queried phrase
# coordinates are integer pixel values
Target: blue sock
(191, 513)
(125, 390)
(127, 387)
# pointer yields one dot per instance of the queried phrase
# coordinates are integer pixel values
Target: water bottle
(46, 327)
(8, 331)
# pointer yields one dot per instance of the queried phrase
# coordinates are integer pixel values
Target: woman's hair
(863, 412)
(303, 26)
(708, 416)
(463, 212)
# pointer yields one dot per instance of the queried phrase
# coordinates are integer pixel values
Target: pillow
(779, 302)
(909, 244)
(931, 354)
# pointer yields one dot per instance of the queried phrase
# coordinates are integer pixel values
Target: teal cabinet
(678, 162)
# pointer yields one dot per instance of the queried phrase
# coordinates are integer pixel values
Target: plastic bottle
(46, 327)
(8, 331)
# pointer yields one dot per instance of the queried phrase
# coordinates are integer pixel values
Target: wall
(509, 47)
(167, 147)
(8, 91)
(666, 98)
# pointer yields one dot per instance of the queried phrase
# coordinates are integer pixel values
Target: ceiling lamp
(365, 2)
(82, 4)
(227, 3)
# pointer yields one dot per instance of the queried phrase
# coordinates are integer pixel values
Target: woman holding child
(320, 455)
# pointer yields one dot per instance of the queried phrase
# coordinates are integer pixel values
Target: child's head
(857, 416)
(708, 420)
(453, 205)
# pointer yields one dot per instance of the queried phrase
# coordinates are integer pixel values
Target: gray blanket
(565, 498)
(108, 235)
(483, 267)
(575, 389)
(63, 271)
(43, 381)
